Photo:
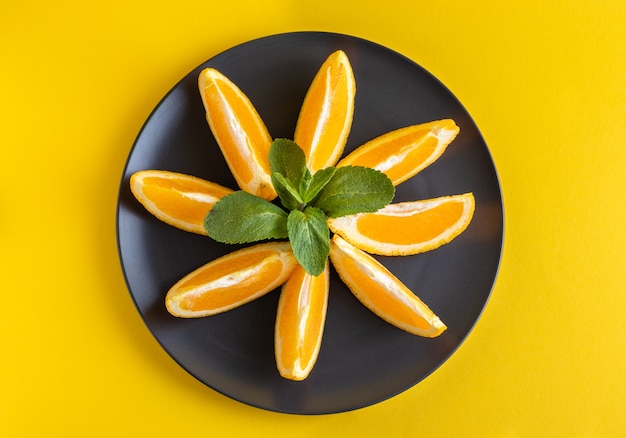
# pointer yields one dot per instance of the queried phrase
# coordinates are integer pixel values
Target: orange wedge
(239, 132)
(407, 228)
(402, 153)
(326, 114)
(175, 198)
(300, 322)
(231, 280)
(381, 292)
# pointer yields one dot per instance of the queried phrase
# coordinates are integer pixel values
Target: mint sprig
(311, 187)
(241, 217)
(354, 189)
(310, 238)
(309, 198)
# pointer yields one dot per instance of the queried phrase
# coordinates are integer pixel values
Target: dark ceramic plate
(363, 360)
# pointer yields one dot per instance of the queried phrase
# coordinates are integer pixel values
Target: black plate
(363, 360)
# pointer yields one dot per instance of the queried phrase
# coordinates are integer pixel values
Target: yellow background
(544, 80)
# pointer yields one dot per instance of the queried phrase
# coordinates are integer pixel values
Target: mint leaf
(241, 217)
(288, 172)
(354, 189)
(311, 187)
(286, 158)
(310, 238)
(288, 194)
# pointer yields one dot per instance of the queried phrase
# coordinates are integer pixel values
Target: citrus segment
(407, 228)
(326, 114)
(231, 280)
(239, 131)
(175, 198)
(382, 292)
(300, 322)
(402, 153)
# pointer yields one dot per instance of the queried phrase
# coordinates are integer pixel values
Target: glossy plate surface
(363, 360)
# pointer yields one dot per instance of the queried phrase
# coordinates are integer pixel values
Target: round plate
(363, 360)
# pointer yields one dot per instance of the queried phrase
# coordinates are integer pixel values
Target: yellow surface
(545, 82)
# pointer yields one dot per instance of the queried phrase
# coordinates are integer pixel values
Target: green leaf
(311, 187)
(310, 238)
(286, 158)
(288, 171)
(354, 189)
(288, 194)
(243, 218)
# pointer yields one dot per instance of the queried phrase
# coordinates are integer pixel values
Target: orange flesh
(378, 298)
(321, 123)
(302, 316)
(239, 131)
(402, 153)
(224, 296)
(408, 230)
(395, 146)
(184, 185)
(168, 195)
(418, 154)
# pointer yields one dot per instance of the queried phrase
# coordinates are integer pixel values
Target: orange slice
(402, 153)
(381, 292)
(326, 114)
(231, 280)
(175, 198)
(239, 132)
(407, 228)
(300, 322)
